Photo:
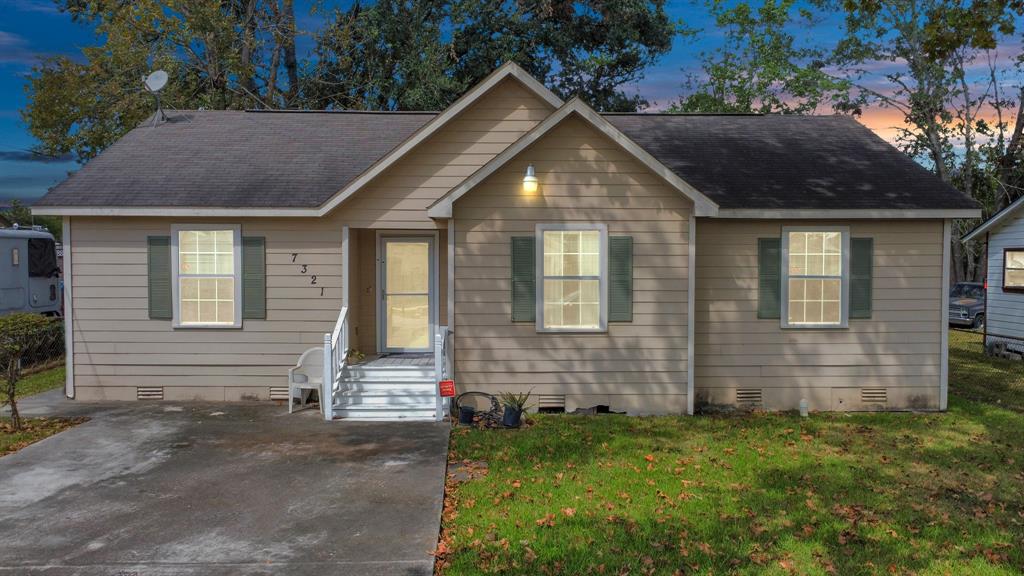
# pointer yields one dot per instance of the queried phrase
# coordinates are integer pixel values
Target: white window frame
(844, 295)
(237, 257)
(602, 278)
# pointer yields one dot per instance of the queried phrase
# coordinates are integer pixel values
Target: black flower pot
(466, 414)
(512, 417)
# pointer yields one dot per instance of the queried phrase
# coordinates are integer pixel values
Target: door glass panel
(408, 321)
(408, 267)
(407, 294)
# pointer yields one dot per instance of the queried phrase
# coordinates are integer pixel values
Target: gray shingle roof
(299, 160)
(788, 162)
(236, 159)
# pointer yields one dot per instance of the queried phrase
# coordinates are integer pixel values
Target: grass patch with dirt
(34, 429)
(761, 494)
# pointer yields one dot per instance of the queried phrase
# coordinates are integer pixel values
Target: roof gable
(996, 221)
(575, 107)
(509, 70)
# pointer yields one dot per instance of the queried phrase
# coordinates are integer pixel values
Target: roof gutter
(178, 212)
(845, 214)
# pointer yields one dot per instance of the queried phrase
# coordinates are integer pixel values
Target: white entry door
(407, 293)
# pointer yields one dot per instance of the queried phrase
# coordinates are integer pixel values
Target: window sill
(815, 327)
(572, 330)
(206, 326)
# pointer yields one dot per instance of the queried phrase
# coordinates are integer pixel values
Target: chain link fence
(41, 349)
(987, 367)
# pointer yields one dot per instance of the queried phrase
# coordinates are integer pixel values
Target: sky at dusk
(31, 29)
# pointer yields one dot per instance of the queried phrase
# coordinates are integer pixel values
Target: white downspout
(691, 295)
(69, 332)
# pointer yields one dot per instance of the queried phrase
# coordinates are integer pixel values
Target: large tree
(761, 65)
(921, 58)
(405, 54)
(219, 54)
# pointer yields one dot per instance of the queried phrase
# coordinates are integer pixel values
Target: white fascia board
(177, 212)
(438, 122)
(703, 206)
(994, 221)
(842, 214)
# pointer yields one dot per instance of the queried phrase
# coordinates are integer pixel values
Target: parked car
(967, 304)
(29, 273)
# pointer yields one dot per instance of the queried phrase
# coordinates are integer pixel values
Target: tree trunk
(12, 392)
(288, 51)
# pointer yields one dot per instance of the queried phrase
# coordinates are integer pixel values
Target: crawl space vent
(873, 396)
(551, 403)
(149, 393)
(278, 392)
(748, 397)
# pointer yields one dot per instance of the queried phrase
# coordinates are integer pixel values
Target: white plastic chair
(307, 376)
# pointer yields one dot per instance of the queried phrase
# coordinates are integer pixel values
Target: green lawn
(841, 494)
(40, 382)
(975, 376)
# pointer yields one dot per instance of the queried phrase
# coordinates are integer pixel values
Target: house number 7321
(304, 269)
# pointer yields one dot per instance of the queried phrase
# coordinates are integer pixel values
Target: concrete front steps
(387, 393)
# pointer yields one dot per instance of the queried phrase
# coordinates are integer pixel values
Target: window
(572, 266)
(815, 284)
(1013, 269)
(42, 258)
(207, 272)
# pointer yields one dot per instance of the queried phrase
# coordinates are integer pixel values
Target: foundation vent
(149, 393)
(278, 392)
(749, 398)
(874, 396)
(551, 402)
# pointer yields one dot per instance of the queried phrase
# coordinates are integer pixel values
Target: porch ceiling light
(530, 181)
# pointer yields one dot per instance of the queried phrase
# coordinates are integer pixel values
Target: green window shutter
(254, 278)
(769, 277)
(524, 279)
(158, 267)
(620, 279)
(861, 267)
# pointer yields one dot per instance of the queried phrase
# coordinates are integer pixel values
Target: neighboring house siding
(639, 366)
(399, 197)
(897, 349)
(118, 348)
(1005, 314)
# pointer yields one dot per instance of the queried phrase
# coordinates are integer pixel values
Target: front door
(407, 293)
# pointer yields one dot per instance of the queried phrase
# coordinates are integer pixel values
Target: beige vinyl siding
(399, 198)
(117, 347)
(898, 348)
(638, 366)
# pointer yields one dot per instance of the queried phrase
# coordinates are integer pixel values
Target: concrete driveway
(160, 488)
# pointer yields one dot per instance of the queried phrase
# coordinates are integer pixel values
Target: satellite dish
(156, 81)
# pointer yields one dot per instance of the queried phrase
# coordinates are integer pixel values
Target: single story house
(654, 263)
(1003, 235)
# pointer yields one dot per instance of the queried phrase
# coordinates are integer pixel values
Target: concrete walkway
(163, 488)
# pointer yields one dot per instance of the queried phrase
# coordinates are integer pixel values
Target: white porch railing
(443, 369)
(335, 356)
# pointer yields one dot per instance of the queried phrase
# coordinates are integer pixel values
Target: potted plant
(515, 405)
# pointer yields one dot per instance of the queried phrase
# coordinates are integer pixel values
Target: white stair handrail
(335, 357)
(442, 369)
